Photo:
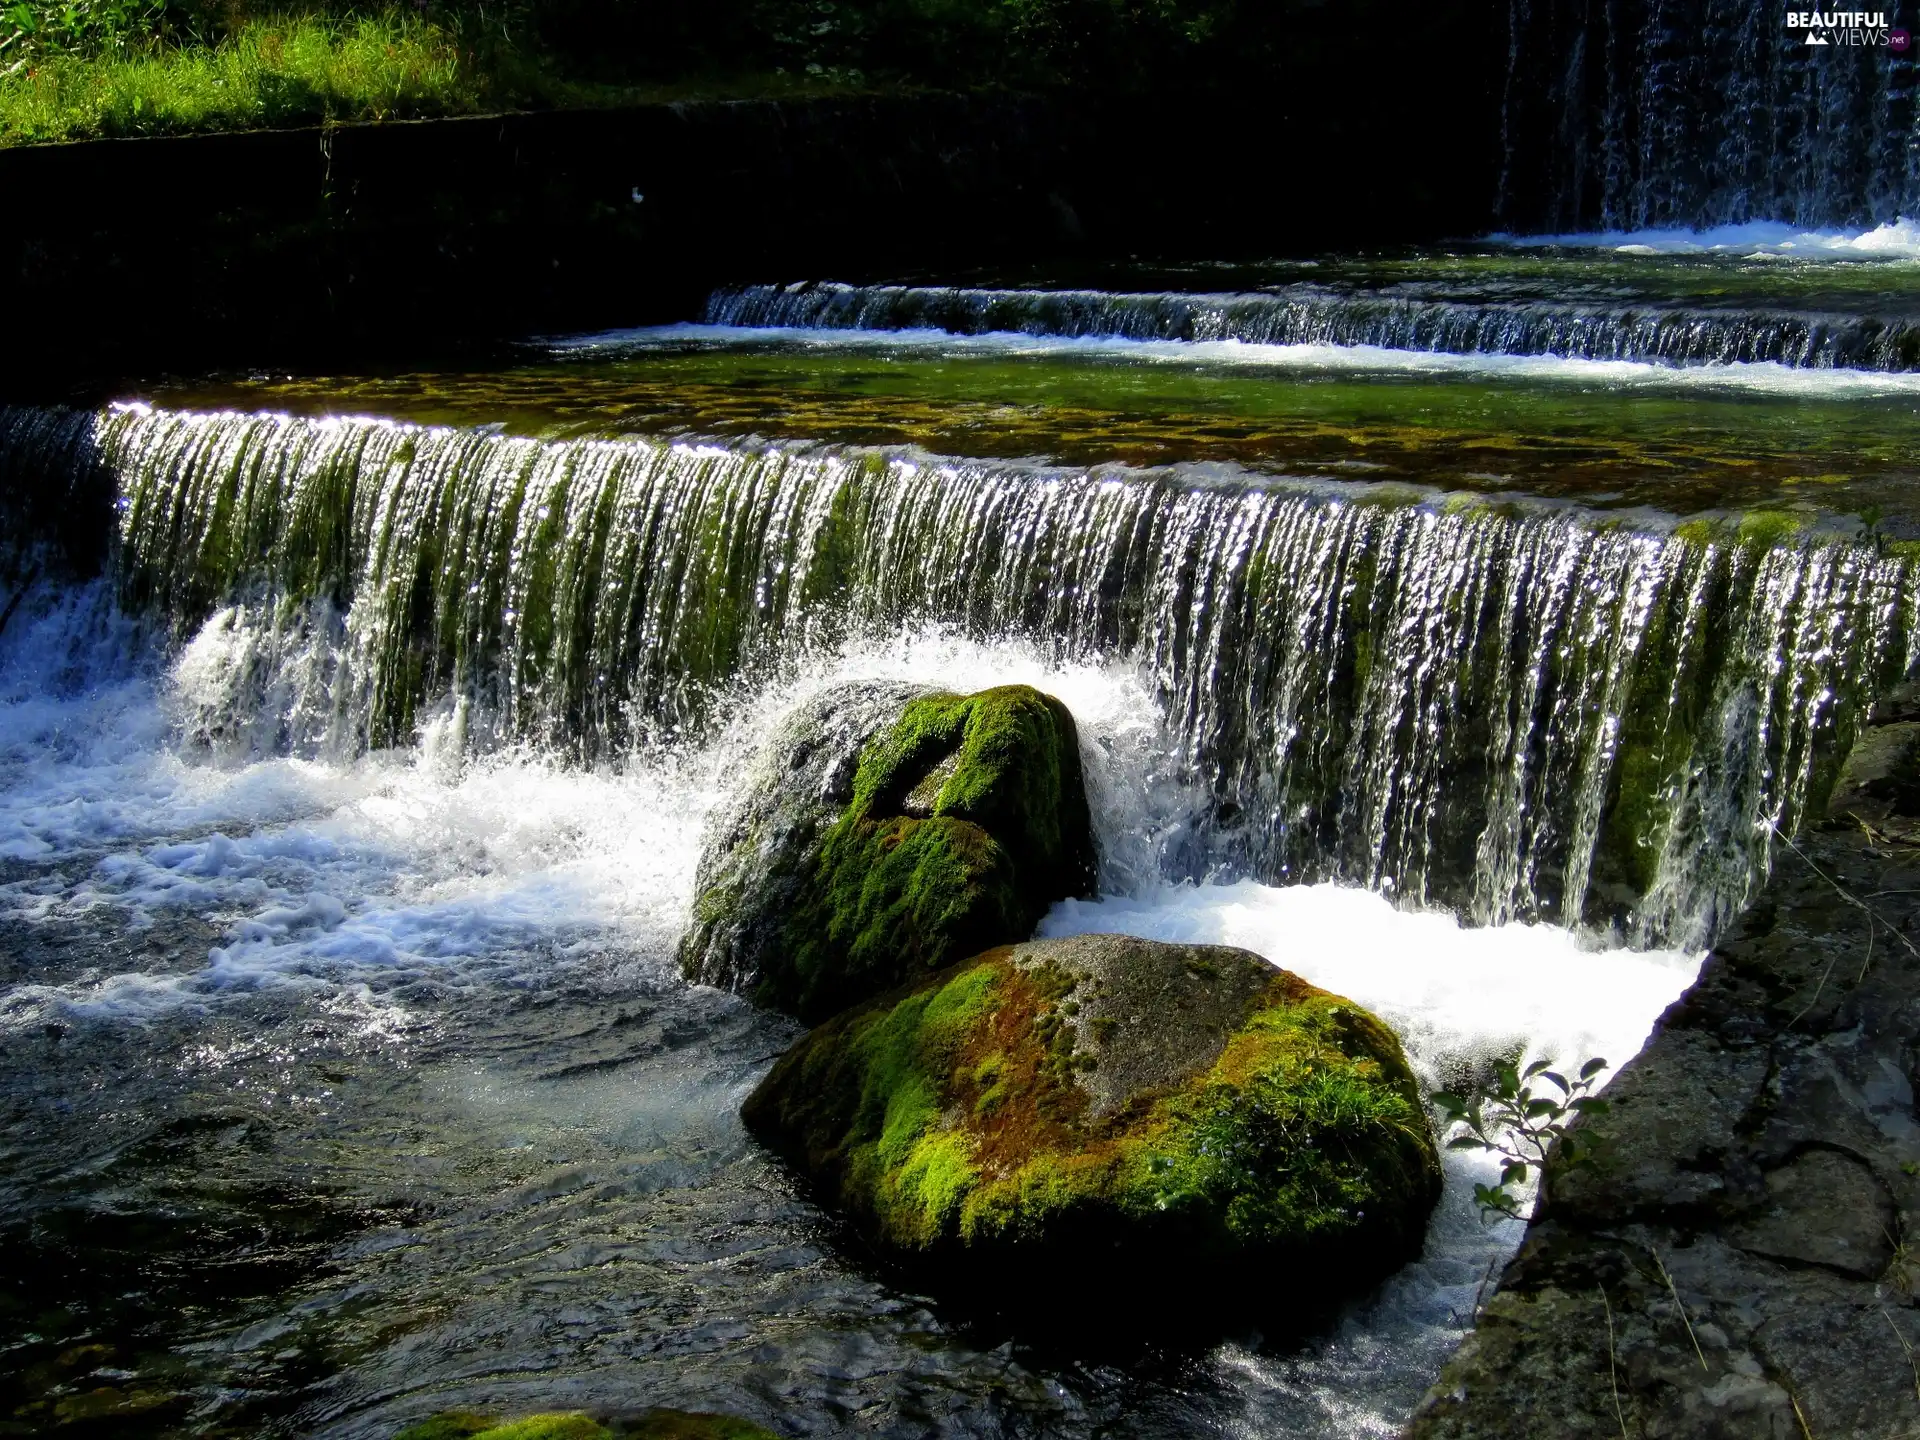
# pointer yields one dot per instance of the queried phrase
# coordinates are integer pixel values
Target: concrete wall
(401, 244)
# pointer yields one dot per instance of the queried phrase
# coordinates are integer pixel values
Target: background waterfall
(1627, 114)
(1314, 315)
(1521, 711)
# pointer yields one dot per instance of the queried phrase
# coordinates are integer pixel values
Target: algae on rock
(889, 831)
(1106, 1113)
(656, 1424)
(465, 1425)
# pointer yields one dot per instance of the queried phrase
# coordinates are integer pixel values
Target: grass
(308, 69)
(271, 73)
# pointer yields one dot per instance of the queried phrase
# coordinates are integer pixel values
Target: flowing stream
(350, 810)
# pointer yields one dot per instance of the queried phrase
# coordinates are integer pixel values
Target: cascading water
(1625, 116)
(1521, 711)
(1312, 315)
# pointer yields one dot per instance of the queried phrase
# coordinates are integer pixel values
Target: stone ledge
(1739, 1266)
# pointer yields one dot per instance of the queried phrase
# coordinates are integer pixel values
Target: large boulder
(1114, 1123)
(655, 1424)
(886, 832)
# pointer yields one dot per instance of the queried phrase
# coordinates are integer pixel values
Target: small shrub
(1523, 1125)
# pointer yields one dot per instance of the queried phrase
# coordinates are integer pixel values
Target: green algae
(662, 1424)
(655, 1424)
(1683, 452)
(968, 818)
(554, 1425)
(956, 1123)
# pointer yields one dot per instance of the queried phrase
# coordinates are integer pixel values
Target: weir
(1312, 315)
(1523, 711)
(1472, 631)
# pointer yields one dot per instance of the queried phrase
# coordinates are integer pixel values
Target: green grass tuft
(271, 73)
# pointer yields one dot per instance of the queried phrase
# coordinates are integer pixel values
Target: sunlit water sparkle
(439, 987)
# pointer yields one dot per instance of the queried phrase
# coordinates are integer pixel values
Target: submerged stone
(1111, 1118)
(889, 831)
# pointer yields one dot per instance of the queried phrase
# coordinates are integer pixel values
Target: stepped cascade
(1470, 633)
(1631, 116)
(1522, 711)
(1304, 314)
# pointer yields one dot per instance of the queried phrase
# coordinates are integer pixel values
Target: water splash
(1526, 712)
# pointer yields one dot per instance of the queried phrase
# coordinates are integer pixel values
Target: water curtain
(1523, 711)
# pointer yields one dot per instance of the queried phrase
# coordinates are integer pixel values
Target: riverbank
(1739, 1263)
(304, 70)
(418, 243)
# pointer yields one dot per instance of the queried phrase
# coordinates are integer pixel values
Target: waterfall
(1625, 114)
(1521, 711)
(1312, 315)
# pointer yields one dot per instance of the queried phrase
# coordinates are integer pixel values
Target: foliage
(30, 27)
(619, 51)
(378, 66)
(1523, 1125)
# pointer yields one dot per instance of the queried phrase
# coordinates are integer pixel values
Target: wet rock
(692, 1425)
(886, 832)
(1114, 1125)
(1824, 1208)
(655, 1424)
(461, 1425)
(1738, 1265)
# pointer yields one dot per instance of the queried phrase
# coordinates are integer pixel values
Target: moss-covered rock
(464, 1425)
(656, 1424)
(695, 1425)
(886, 833)
(1108, 1114)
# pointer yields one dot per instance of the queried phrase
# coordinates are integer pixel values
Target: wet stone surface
(1738, 1263)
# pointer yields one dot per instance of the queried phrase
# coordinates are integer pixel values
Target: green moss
(657, 1424)
(894, 895)
(553, 1426)
(949, 1119)
(696, 1425)
(449, 1425)
(1763, 529)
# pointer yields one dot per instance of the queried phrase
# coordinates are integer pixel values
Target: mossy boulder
(887, 832)
(655, 1424)
(1115, 1122)
(464, 1425)
(695, 1425)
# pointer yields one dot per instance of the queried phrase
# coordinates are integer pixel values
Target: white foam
(326, 873)
(1454, 995)
(1450, 990)
(336, 878)
(1896, 240)
(1761, 377)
